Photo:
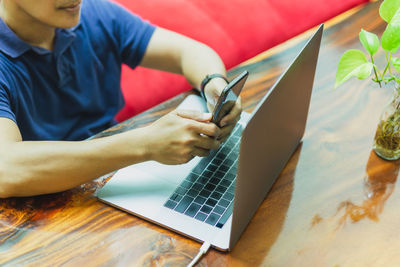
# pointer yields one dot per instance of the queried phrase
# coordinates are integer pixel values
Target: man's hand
(172, 52)
(212, 91)
(180, 135)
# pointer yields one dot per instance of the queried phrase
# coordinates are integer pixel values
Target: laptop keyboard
(207, 192)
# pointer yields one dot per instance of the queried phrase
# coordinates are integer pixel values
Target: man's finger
(232, 116)
(207, 142)
(199, 122)
(225, 132)
(208, 129)
(200, 152)
(194, 115)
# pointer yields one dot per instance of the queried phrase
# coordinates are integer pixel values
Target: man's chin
(68, 24)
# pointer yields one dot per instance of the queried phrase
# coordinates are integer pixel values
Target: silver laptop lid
(272, 134)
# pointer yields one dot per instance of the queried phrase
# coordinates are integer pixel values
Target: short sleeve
(5, 106)
(130, 33)
(134, 34)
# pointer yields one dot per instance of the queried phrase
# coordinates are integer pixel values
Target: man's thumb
(194, 115)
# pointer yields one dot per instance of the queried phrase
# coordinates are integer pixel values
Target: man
(60, 64)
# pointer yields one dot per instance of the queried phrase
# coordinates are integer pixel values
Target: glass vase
(387, 136)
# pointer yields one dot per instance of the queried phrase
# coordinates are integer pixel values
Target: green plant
(354, 63)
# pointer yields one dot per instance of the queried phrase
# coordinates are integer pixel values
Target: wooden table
(334, 204)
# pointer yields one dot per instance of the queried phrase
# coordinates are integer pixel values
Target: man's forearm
(199, 61)
(176, 53)
(40, 167)
(32, 168)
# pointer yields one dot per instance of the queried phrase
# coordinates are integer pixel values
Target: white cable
(203, 250)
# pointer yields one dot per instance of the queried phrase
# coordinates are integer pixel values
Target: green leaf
(391, 38)
(370, 41)
(396, 63)
(388, 8)
(353, 63)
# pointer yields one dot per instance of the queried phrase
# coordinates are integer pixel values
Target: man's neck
(26, 27)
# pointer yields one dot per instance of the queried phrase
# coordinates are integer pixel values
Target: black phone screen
(228, 97)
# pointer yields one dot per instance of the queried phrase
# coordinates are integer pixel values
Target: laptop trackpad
(144, 187)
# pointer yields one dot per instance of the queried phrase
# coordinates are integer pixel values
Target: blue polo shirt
(74, 91)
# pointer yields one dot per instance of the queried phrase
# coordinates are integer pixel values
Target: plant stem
(388, 64)
(376, 74)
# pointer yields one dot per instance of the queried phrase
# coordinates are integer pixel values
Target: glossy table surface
(334, 204)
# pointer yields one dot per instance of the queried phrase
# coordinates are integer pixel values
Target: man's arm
(170, 51)
(31, 168)
(40, 167)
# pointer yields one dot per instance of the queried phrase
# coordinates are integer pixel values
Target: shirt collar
(10, 43)
(14, 47)
(63, 39)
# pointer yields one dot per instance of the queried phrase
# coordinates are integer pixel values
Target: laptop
(213, 199)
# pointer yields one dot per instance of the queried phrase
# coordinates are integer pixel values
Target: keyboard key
(225, 150)
(215, 180)
(225, 216)
(207, 174)
(192, 193)
(197, 186)
(203, 180)
(234, 155)
(219, 174)
(221, 189)
(206, 209)
(205, 193)
(216, 161)
(201, 216)
(176, 197)
(200, 200)
(210, 186)
(212, 167)
(193, 209)
(185, 202)
(186, 184)
(231, 189)
(211, 202)
(220, 156)
(228, 196)
(230, 176)
(216, 195)
(228, 162)
(192, 177)
(224, 203)
(234, 168)
(225, 182)
(181, 190)
(223, 168)
(213, 218)
(230, 142)
(170, 204)
(218, 209)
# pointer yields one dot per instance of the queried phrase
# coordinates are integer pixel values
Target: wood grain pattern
(334, 204)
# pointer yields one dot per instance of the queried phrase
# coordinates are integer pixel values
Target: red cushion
(236, 29)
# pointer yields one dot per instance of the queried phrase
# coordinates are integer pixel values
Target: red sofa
(236, 29)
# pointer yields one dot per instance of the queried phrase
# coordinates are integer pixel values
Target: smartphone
(228, 97)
